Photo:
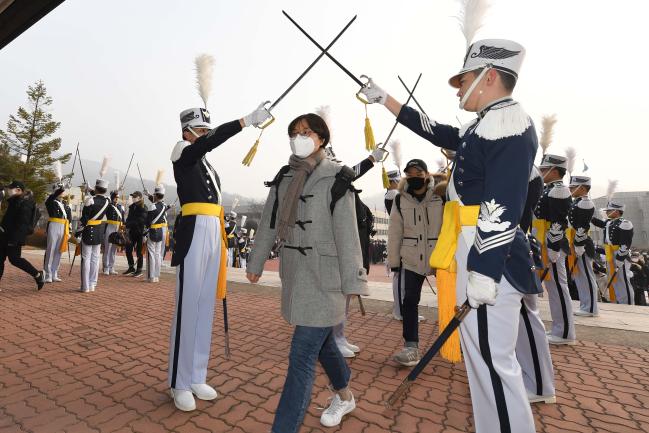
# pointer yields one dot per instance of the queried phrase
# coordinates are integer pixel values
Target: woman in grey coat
(320, 264)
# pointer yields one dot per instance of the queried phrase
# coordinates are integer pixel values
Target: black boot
(138, 273)
(40, 280)
(130, 270)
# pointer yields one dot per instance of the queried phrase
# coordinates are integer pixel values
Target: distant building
(637, 211)
(381, 220)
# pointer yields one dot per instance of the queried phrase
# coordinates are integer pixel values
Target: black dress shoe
(138, 273)
(40, 280)
(129, 271)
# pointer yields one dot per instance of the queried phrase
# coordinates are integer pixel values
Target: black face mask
(415, 183)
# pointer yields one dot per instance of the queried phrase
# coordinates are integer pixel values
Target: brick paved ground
(72, 362)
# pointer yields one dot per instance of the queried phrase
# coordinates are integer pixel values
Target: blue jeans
(308, 345)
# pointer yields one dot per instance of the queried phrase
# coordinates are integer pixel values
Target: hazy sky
(121, 71)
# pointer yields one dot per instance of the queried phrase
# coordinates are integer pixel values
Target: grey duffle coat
(321, 262)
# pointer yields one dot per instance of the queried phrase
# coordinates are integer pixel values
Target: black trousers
(136, 243)
(411, 284)
(13, 253)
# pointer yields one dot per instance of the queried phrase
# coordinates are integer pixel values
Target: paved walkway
(72, 362)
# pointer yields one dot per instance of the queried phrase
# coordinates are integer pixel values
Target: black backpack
(36, 216)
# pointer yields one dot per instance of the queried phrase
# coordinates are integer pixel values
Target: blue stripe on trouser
(586, 284)
(563, 322)
(196, 279)
(533, 351)
(502, 333)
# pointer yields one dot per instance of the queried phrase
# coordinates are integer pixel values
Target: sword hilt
(365, 80)
(272, 118)
(398, 393)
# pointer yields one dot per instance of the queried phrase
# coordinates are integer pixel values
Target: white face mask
(11, 192)
(302, 146)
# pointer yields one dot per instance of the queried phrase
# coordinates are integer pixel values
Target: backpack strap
(275, 182)
(397, 202)
(341, 185)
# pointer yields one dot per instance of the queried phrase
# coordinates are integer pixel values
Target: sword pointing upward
(437, 345)
(306, 71)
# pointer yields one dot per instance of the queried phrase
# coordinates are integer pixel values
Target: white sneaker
(338, 408)
(553, 339)
(547, 399)
(583, 313)
(57, 279)
(156, 280)
(345, 351)
(113, 272)
(203, 391)
(421, 319)
(47, 280)
(106, 272)
(183, 399)
(352, 347)
(92, 287)
(84, 290)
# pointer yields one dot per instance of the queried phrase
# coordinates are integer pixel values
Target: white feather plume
(610, 189)
(158, 176)
(204, 71)
(324, 111)
(397, 156)
(547, 124)
(117, 179)
(471, 17)
(235, 203)
(243, 220)
(571, 155)
(57, 170)
(104, 167)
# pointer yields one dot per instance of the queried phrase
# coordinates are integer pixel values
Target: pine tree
(29, 145)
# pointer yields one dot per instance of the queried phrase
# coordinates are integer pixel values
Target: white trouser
(533, 350)
(622, 285)
(242, 262)
(396, 309)
(89, 265)
(563, 322)
(586, 284)
(488, 336)
(52, 258)
(191, 329)
(154, 258)
(339, 329)
(108, 259)
(230, 257)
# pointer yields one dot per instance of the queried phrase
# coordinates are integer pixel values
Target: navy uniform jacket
(94, 209)
(196, 180)
(56, 208)
(115, 212)
(579, 216)
(492, 169)
(157, 215)
(534, 192)
(618, 231)
(553, 207)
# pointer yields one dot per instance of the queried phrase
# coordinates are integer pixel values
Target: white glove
(88, 200)
(378, 154)
(579, 251)
(481, 289)
(257, 117)
(553, 255)
(374, 94)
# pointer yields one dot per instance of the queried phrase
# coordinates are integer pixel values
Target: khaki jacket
(413, 231)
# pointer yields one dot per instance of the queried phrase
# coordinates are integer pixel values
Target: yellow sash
(158, 226)
(572, 258)
(66, 232)
(113, 222)
(211, 209)
(93, 222)
(540, 229)
(610, 251)
(443, 260)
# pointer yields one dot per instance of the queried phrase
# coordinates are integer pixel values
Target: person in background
(135, 222)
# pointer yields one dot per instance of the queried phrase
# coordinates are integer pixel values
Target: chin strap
(473, 85)
(190, 129)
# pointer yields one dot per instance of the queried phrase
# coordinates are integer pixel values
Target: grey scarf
(302, 169)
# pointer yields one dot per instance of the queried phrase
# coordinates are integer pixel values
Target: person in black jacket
(16, 225)
(135, 222)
